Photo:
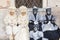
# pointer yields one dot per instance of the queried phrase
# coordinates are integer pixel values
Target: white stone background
(3, 12)
(48, 3)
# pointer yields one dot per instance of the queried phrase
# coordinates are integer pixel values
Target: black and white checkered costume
(46, 31)
(50, 29)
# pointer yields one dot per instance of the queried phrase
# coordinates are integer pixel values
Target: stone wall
(3, 12)
(56, 12)
(53, 3)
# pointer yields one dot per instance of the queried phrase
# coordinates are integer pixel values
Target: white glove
(30, 21)
(35, 22)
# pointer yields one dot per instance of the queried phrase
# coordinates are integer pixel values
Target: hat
(48, 10)
(23, 9)
(35, 8)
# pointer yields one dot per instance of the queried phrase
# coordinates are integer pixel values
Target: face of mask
(23, 13)
(48, 11)
(35, 11)
(11, 13)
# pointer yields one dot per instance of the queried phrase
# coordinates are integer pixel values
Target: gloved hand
(17, 24)
(31, 21)
(36, 22)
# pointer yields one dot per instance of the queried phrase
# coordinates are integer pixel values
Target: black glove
(17, 24)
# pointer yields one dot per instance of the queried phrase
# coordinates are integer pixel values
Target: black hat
(35, 8)
(48, 10)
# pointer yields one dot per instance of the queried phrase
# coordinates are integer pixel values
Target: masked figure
(50, 31)
(23, 33)
(35, 34)
(48, 15)
(33, 18)
(10, 22)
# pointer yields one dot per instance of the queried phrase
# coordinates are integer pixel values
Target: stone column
(12, 3)
(45, 3)
(52, 3)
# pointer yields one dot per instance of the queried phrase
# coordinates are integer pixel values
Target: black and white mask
(48, 11)
(35, 11)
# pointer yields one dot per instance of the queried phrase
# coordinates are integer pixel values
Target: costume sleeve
(31, 34)
(6, 19)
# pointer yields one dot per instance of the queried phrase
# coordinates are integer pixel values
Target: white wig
(23, 9)
(12, 9)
